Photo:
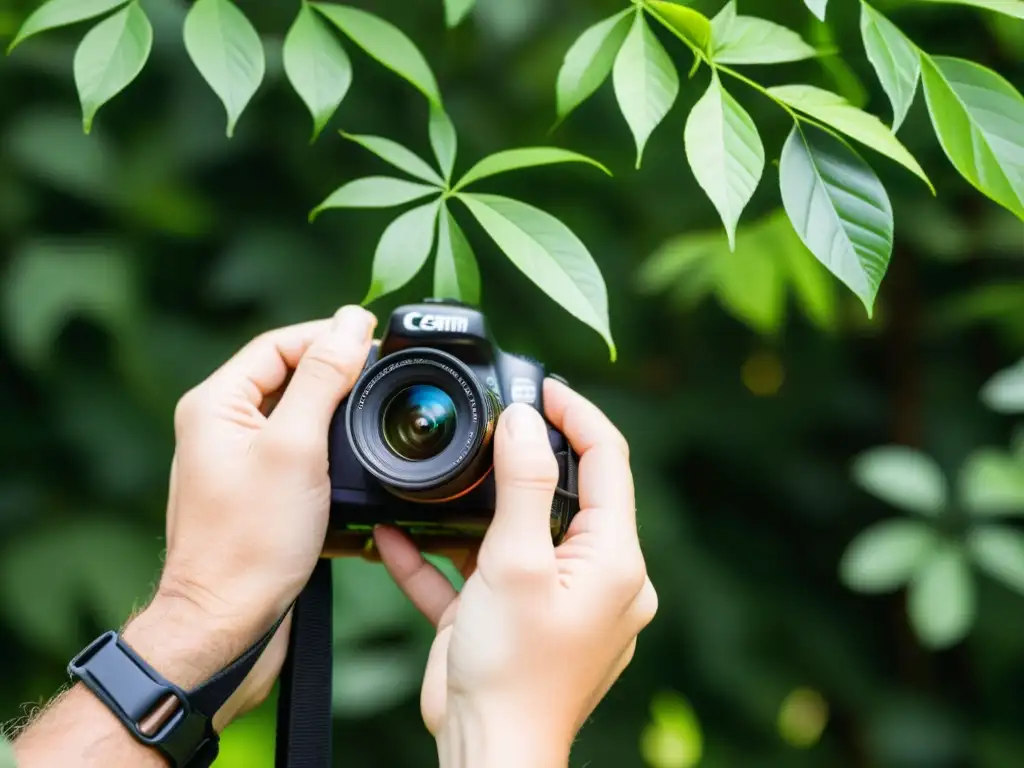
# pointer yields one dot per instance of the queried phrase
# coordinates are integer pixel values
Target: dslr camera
(411, 446)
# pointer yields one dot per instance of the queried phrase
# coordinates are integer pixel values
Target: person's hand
(250, 494)
(539, 633)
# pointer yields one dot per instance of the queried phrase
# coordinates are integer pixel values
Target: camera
(411, 446)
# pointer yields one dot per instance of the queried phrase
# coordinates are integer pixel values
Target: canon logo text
(416, 321)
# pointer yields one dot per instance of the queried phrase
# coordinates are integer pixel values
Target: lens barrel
(421, 423)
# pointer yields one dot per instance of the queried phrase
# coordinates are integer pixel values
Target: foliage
(835, 201)
(137, 257)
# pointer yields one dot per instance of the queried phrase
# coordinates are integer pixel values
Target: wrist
(185, 643)
(499, 737)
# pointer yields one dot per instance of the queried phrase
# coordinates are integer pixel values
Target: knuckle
(646, 604)
(537, 471)
(188, 409)
(629, 574)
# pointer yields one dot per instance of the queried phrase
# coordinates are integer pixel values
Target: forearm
(471, 738)
(182, 644)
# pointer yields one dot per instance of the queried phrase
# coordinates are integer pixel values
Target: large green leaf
(992, 483)
(904, 477)
(443, 140)
(1013, 8)
(749, 40)
(524, 157)
(885, 556)
(109, 57)
(895, 59)
(61, 13)
(456, 273)
(386, 43)
(456, 10)
(548, 253)
(999, 551)
(317, 66)
(817, 7)
(374, 192)
(839, 208)
(1004, 392)
(725, 152)
(646, 82)
(394, 153)
(588, 62)
(228, 53)
(403, 250)
(681, 20)
(941, 601)
(978, 116)
(835, 111)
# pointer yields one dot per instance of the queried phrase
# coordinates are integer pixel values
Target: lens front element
(419, 422)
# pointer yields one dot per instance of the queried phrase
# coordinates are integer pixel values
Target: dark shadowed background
(137, 258)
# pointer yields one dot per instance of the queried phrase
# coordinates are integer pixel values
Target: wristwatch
(158, 713)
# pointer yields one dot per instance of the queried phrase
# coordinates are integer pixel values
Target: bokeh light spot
(763, 374)
(802, 718)
(673, 738)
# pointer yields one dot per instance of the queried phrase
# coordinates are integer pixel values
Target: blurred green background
(136, 259)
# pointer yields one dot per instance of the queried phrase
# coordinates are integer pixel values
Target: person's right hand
(539, 633)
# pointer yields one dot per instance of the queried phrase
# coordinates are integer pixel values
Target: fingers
(518, 541)
(326, 372)
(605, 478)
(422, 583)
(262, 366)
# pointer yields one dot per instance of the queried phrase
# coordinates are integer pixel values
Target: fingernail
(523, 423)
(354, 321)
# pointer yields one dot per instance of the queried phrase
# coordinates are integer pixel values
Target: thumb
(518, 541)
(326, 372)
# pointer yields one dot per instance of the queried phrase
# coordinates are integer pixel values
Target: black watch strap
(134, 692)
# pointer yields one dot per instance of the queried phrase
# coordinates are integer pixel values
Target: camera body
(411, 446)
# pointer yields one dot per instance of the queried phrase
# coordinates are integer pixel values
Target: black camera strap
(305, 692)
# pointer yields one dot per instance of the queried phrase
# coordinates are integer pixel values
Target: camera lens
(419, 422)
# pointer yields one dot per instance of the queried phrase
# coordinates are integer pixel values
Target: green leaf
(646, 82)
(895, 59)
(1014, 8)
(524, 157)
(903, 477)
(398, 156)
(839, 208)
(374, 192)
(589, 61)
(1004, 392)
(403, 250)
(456, 273)
(750, 40)
(317, 67)
(691, 24)
(443, 140)
(817, 7)
(835, 111)
(547, 252)
(977, 117)
(228, 53)
(62, 13)
(367, 681)
(941, 600)
(992, 483)
(814, 289)
(457, 10)
(725, 153)
(48, 283)
(109, 57)
(885, 556)
(750, 285)
(999, 551)
(386, 43)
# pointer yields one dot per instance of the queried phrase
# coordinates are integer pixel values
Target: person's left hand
(250, 494)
